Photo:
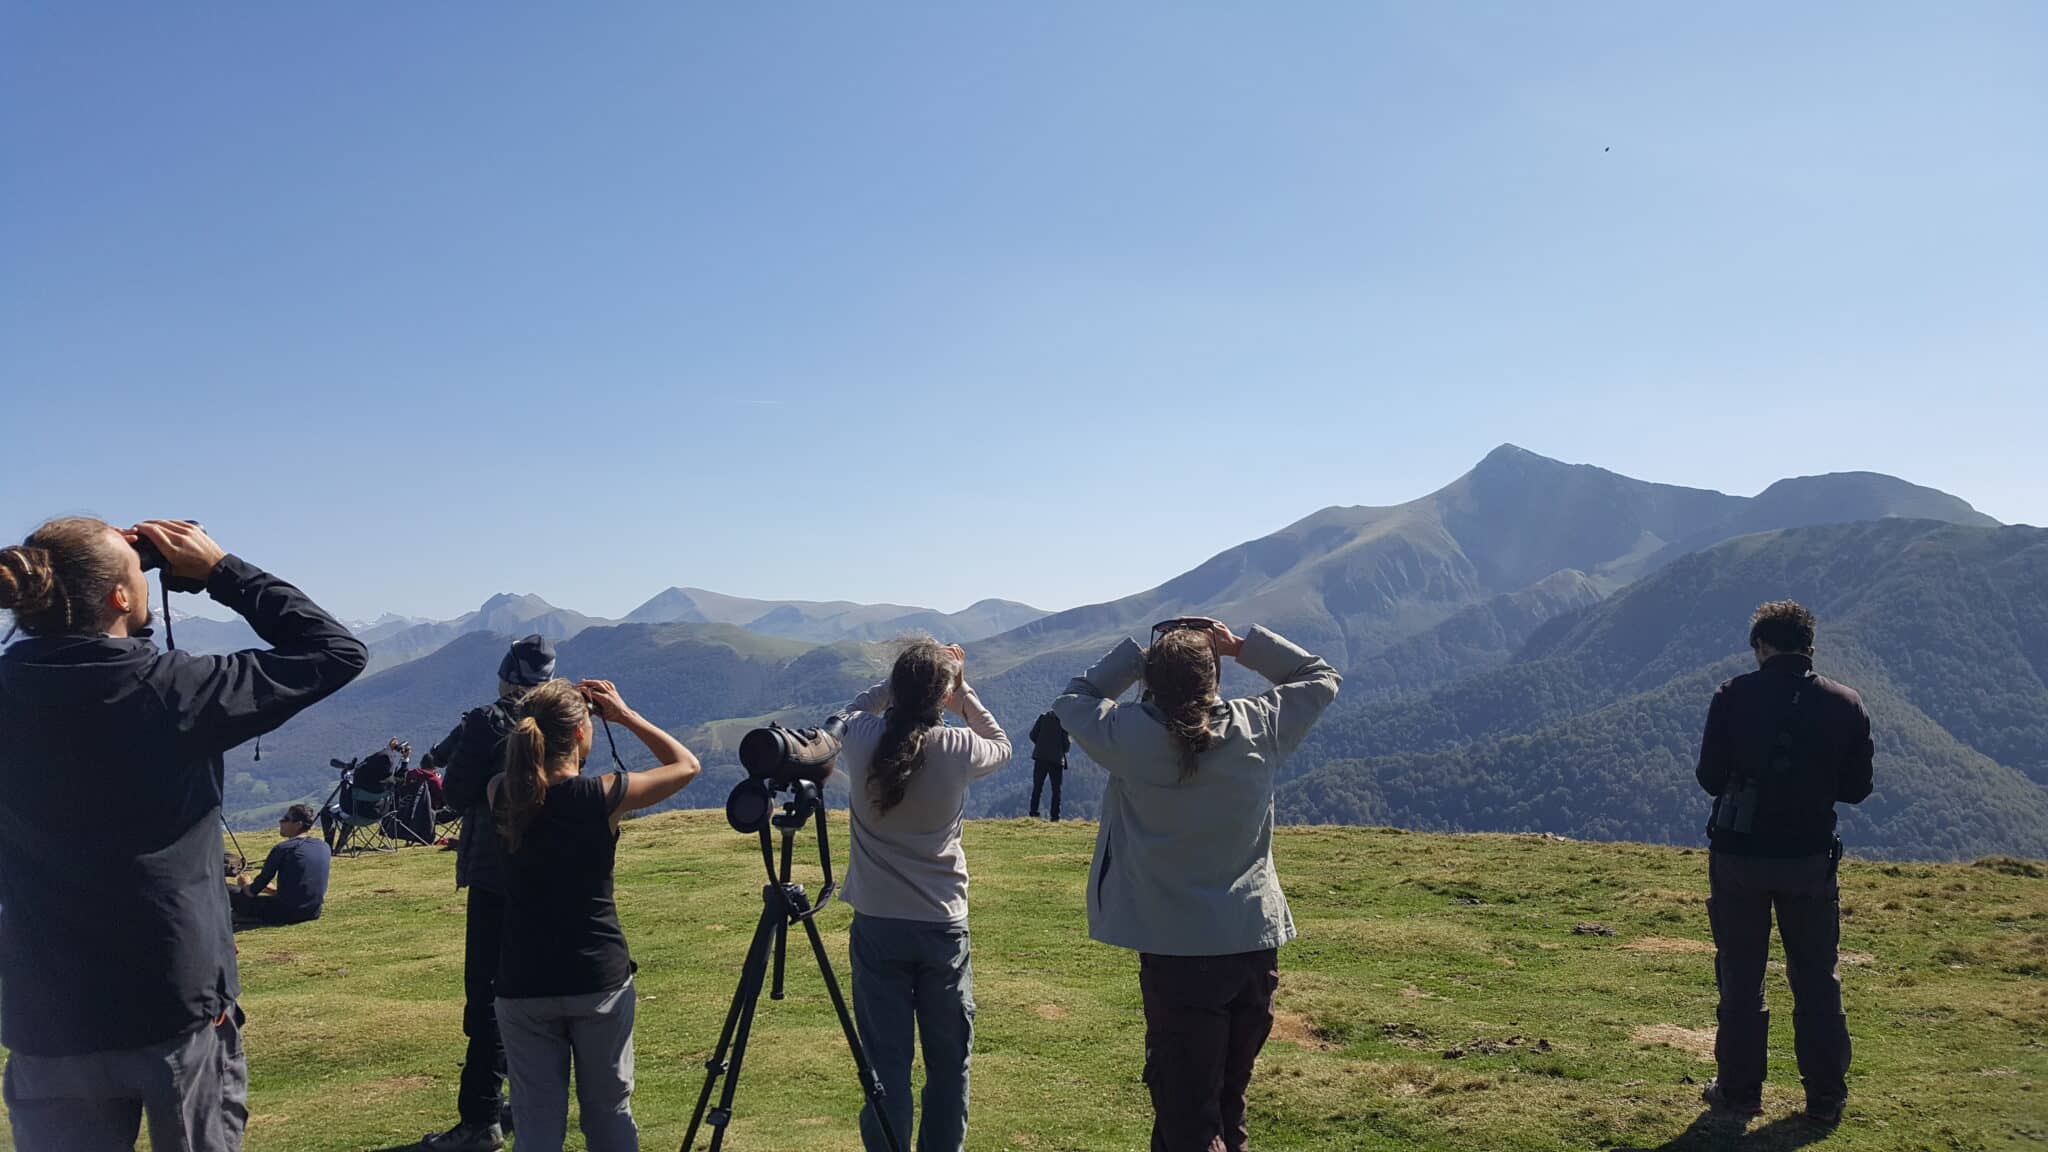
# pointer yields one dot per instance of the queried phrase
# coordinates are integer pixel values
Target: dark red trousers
(1206, 1017)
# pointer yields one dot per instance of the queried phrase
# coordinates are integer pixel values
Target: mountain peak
(522, 600)
(1511, 460)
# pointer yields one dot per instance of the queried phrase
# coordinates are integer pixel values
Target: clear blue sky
(418, 303)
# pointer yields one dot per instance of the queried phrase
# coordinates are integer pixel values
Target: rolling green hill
(1438, 999)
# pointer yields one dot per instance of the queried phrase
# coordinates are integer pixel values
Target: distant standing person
(470, 757)
(1049, 743)
(565, 978)
(1183, 871)
(1782, 746)
(299, 863)
(907, 773)
(118, 987)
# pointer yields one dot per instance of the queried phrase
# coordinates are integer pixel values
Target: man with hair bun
(1782, 746)
(117, 967)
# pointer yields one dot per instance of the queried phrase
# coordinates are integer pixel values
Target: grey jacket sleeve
(218, 702)
(1303, 685)
(1088, 710)
(987, 745)
(874, 701)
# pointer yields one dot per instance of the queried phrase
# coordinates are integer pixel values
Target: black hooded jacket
(115, 931)
(1049, 741)
(1829, 761)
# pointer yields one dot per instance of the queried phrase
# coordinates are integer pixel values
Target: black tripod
(782, 904)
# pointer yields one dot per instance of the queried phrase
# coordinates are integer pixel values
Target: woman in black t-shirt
(565, 980)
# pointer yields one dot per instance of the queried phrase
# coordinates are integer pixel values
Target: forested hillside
(1595, 730)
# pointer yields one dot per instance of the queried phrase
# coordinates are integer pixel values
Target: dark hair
(549, 719)
(1180, 675)
(1784, 625)
(299, 814)
(923, 676)
(57, 581)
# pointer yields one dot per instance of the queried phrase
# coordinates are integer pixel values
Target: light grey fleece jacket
(907, 863)
(1185, 867)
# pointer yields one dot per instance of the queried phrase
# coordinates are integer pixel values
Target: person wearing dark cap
(469, 757)
(298, 863)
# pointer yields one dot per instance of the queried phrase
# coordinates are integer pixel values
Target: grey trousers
(542, 1034)
(193, 1088)
(909, 975)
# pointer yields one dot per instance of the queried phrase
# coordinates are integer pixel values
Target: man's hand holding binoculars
(187, 551)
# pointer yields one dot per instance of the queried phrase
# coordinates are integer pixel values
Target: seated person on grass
(299, 865)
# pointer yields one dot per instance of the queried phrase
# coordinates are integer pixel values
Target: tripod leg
(739, 1021)
(781, 955)
(870, 1083)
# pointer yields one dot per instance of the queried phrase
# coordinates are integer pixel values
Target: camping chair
(363, 823)
(412, 817)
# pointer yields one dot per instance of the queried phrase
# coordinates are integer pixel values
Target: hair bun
(28, 582)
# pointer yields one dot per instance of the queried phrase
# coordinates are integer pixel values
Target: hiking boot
(1824, 1113)
(1717, 1098)
(466, 1137)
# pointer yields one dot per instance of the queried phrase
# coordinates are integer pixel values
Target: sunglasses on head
(1200, 624)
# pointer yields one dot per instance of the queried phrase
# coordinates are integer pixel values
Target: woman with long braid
(1183, 872)
(906, 879)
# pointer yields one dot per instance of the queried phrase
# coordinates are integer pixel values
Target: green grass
(1412, 946)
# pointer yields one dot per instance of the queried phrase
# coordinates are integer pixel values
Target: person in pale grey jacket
(906, 879)
(1183, 870)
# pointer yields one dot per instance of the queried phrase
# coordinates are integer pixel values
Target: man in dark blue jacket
(117, 964)
(1782, 746)
(299, 864)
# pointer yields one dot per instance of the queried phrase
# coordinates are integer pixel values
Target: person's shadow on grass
(1715, 1133)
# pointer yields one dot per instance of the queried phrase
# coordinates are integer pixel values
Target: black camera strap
(163, 581)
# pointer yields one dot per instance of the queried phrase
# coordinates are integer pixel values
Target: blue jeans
(909, 974)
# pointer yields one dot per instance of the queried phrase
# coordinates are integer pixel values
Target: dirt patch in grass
(1298, 1030)
(1698, 1041)
(393, 1086)
(1050, 1012)
(1670, 946)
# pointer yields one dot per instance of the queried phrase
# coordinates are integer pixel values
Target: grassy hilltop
(1439, 998)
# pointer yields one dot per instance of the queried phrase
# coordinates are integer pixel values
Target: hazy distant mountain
(827, 621)
(505, 613)
(681, 676)
(205, 635)
(383, 627)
